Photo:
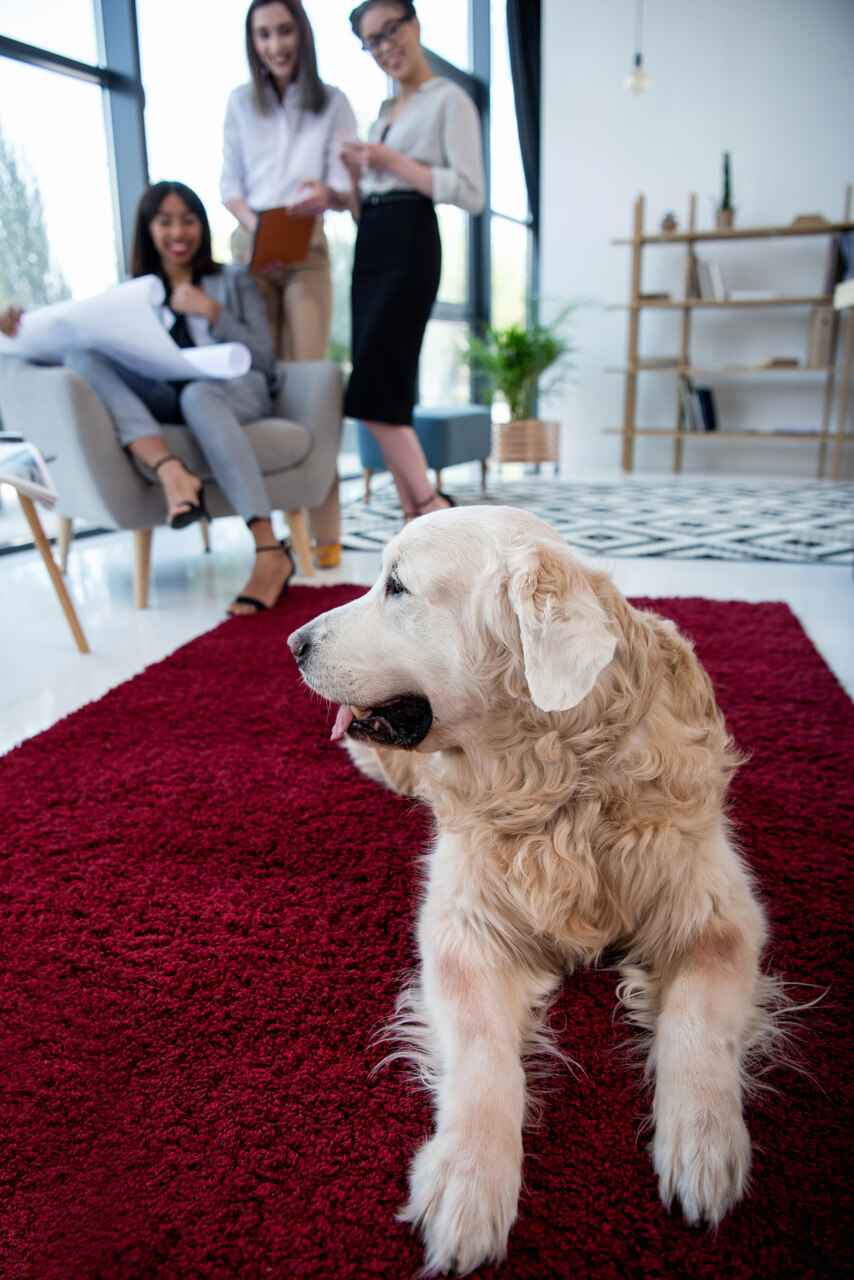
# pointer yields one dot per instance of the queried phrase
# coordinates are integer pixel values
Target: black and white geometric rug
(810, 523)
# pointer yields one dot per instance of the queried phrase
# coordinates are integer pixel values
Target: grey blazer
(244, 316)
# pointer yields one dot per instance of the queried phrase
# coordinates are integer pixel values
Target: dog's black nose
(299, 644)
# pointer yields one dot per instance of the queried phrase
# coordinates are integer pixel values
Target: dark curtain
(523, 34)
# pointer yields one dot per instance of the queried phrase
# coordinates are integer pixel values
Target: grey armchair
(98, 481)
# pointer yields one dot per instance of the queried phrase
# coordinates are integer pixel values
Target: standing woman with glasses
(281, 148)
(423, 150)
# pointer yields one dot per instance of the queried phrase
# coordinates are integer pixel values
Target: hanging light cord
(638, 28)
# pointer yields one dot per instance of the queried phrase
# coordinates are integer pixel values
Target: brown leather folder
(279, 237)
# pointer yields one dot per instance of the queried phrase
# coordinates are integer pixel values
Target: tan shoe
(327, 555)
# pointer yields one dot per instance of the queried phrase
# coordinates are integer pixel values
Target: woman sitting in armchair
(206, 302)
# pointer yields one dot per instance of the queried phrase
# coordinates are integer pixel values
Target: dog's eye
(394, 587)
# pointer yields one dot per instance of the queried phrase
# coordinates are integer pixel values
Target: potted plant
(725, 210)
(513, 361)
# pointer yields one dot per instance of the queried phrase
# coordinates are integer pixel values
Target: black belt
(396, 197)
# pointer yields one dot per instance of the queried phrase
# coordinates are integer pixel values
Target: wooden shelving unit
(689, 304)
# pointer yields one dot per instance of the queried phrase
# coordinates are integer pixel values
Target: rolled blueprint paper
(122, 322)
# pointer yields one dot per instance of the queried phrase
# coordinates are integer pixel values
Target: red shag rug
(206, 913)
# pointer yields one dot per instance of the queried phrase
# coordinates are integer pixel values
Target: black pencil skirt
(396, 269)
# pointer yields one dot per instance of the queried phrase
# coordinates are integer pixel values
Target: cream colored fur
(577, 768)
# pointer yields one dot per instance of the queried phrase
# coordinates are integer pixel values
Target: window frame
(118, 75)
(476, 311)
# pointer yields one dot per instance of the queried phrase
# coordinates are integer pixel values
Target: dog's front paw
(703, 1162)
(463, 1196)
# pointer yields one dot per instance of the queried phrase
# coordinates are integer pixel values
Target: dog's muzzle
(403, 721)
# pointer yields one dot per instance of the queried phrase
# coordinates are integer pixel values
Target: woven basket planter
(528, 440)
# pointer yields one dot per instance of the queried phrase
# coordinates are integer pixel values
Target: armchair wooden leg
(206, 534)
(438, 475)
(483, 474)
(367, 475)
(302, 544)
(43, 545)
(63, 540)
(141, 566)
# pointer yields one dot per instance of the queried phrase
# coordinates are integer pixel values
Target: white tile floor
(43, 677)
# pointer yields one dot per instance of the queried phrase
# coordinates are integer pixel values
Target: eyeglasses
(391, 32)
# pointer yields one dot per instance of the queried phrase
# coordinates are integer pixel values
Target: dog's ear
(565, 637)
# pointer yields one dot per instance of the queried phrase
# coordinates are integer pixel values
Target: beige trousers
(298, 299)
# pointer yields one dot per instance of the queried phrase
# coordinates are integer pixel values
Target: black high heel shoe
(195, 510)
(258, 605)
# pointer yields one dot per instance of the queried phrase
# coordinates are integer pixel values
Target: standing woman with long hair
(280, 148)
(205, 303)
(423, 150)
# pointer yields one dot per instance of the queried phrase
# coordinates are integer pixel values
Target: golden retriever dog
(577, 765)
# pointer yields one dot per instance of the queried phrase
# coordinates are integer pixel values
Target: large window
(72, 159)
(510, 223)
(63, 26)
(188, 77)
(57, 236)
(70, 107)
(446, 29)
(458, 50)
(487, 261)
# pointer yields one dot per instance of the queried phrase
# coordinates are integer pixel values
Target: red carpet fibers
(205, 914)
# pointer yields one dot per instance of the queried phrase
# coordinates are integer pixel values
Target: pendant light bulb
(637, 81)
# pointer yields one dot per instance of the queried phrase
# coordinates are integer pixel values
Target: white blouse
(266, 157)
(440, 127)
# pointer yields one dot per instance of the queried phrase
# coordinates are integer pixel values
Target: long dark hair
(311, 87)
(144, 258)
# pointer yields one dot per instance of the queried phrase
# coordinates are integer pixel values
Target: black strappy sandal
(258, 605)
(419, 509)
(195, 510)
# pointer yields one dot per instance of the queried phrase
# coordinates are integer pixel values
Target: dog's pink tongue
(342, 722)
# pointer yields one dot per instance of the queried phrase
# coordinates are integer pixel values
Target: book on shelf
(690, 421)
(816, 220)
(843, 295)
(654, 297)
(820, 345)
(717, 281)
(705, 400)
(776, 362)
(840, 260)
(24, 468)
(698, 407)
(658, 362)
(709, 280)
(692, 284)
(833, 264)
(704, 279)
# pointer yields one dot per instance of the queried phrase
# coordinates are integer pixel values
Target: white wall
(770, 81)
